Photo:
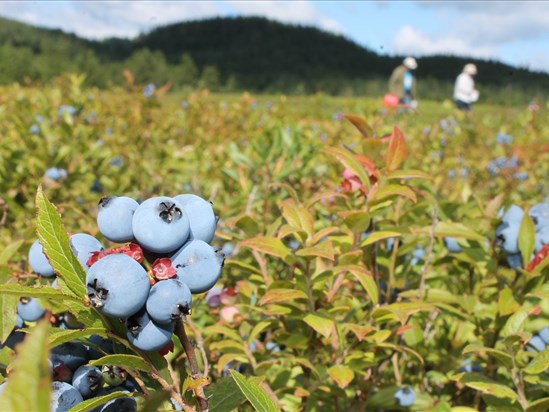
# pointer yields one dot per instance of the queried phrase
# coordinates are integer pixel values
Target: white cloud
(409, 40)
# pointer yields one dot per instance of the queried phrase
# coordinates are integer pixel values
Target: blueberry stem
(181, 334)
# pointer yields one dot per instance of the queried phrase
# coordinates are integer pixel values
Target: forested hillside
(256, 54)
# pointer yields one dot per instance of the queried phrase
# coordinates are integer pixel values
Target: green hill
(249, 53)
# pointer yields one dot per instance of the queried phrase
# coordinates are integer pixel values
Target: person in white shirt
(465, 93)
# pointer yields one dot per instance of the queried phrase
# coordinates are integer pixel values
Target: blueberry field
(353, 257)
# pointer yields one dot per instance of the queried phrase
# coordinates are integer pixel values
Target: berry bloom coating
(535, 344)
(515, 261)
(56, 173)
(114, 218)
(83, 245)
(544, 334)
(452, 245)
(71, 354)
(405, 396)
(38, 260)
(117, 285)
(198, 265)
(116, 405)
(542, 238)
(507, 236)
(169, 300)
(29, 309)
(540, 215)
(145, 334)
(513, 214)
(87, 380)
(160, 225)
(63, 397)
(201, 216)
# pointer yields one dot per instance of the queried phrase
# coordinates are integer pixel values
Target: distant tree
(186, 72)
(209, 78)
(148, 66)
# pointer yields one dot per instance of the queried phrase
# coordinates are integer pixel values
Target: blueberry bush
(216, 252)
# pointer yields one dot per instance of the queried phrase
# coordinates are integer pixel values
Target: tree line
(251, 53)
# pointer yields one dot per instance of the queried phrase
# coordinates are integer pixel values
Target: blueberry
(417, 254)
(56, 173)
(88, 380)
(3, 386)
(515, 261)
(405, 396)
(99, 346)
(544, 334)
(38, 260)
(542, 238)
(507, 236)
(117, 285)
(540, 215)
(83, 245)
(19, 322)
(63, 397)
(467, 365)
(29, 309)
(147, 335)
(169, 300)
(71, 354)
(213, 297)
(535, 344)
(114, 218)
(160, 225)
(202, 219)
(513, 214)
(198, 265)
(60, 372)
(452, 245)
(13, 339)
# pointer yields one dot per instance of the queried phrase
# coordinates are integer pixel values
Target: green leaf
(377, 236)
(321, 324)
(9, 251)
(28, 387)
(451, 229)
(408, 174)
(224, 395)
(394, 190)
(59, 336)
(527, 238)
(396, 152)
(507, 303)
(8, 305)
(361, 124)
(93, 403)
(128, 361)
(515, 323)
(482, 384)
(503, 357)
(257, 329)
(282, 295)
(365, 279)
(539, 405)
(402, 311)
(350, 161)
(539, 364)
(343, 375)
(254, 393)
(297, 216)
(269, 245)
(55, 242)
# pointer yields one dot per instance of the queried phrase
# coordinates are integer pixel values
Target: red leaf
(396, 151)
(540, 257)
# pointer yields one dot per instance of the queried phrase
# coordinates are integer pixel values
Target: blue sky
(515, 32)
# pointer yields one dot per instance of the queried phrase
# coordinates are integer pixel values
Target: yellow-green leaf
(282, 295)
(28, 387)
(343, 375)
(269, 245)
(55, 242)
(394, 190)
(527, 238)
(396, 152)
(539, 364)
(320, 324)
(254, 393)
(127, 361)
(349, 160)
(408, 174)
(377, 236)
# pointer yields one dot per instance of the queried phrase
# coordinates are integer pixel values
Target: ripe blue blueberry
(114, 218)
(147, 335)
(405, 396)
(63, 397)
(540, 215)
(29, 309)
(507, 236)
(124, 404)
(71, 354)
(99, 346)
(169, 300)
(515, 261)
(544, 334)
(513, 214)
(417, 254)
(13, 339)
(19, 322)
(198, 265)
(56, 173)
(535, 344)
(83, 245)
(160, 225)
(38, 260)
(87, 380)
(117, 285)
(202, 219)
(452, 245)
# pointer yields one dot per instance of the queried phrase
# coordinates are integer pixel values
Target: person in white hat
(465, 93)
(402, 82)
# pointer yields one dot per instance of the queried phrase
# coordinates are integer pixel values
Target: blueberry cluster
(508, 230)
(539, 341)
(405, 396)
